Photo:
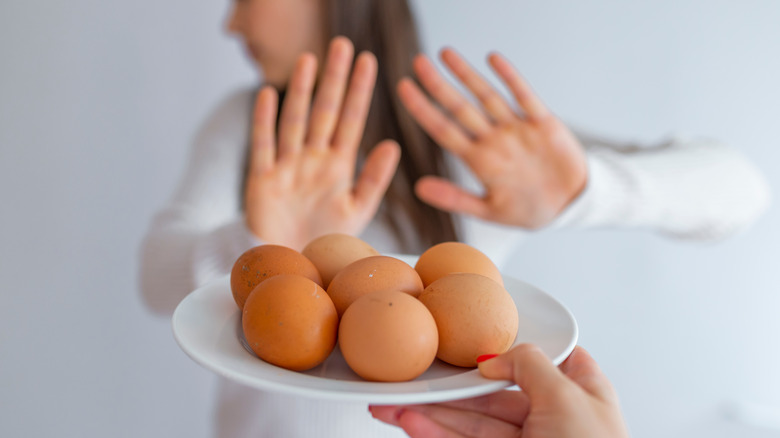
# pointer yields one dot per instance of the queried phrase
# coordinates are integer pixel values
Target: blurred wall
(98, 104)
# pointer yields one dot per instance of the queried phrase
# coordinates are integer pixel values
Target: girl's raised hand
(530, 164)
(301, 179)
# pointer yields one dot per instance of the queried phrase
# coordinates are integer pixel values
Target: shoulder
(226, 128)
(232, 112)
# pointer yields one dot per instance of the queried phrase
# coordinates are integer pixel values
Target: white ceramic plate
(207, 326)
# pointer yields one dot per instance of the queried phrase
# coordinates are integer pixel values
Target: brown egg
(332, 252)
(289, 321)
(372, 274)
(263, 262)
(450, 257)
(388, 336)
(474, 316)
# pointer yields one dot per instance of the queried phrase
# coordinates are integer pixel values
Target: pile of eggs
(390, 320)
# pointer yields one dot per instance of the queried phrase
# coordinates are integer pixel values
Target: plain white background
(99, 102)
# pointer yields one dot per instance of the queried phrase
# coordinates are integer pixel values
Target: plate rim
(386, 398)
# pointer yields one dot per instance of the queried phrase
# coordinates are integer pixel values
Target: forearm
(201, 231)
(687, 189)
(177, 258)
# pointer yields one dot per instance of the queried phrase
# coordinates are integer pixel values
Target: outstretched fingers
(444, 195)
(263, 152)
(295, 110)
(376, 175)
(357, 102)
(533, 107)
(493, 103)
(442, 130)
(330, 95)
(453, 101)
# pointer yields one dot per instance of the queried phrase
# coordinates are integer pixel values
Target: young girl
(360, 149)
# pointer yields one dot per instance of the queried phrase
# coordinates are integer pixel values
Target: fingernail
(485, 357)
(398, 414)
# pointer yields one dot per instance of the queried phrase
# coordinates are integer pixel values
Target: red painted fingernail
(485, 357)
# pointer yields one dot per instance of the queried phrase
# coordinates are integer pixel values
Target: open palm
(530, 164)
(301, 181)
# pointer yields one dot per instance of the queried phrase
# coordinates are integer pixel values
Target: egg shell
(451, 257)
(263, 262)
(388, 336)
(333, 252)
(289, 321)
(372, 274)
(474, 316)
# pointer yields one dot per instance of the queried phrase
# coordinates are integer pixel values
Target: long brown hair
(387, 29)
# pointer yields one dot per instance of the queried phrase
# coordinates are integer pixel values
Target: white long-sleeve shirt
(686, 188)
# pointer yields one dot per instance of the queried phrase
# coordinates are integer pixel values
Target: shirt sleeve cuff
(613, 196)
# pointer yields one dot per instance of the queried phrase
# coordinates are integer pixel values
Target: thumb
(376, 175)
(581, 369)
(529, 368)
